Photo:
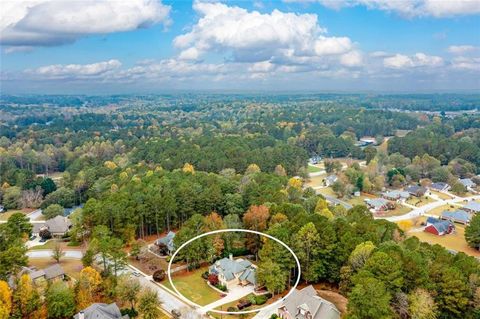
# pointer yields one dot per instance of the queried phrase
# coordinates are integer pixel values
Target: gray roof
(377, 203)
(415, 189)
(58, 224)
(102, 311)
(50, 272)
(439, 186)
(474, 206)
(331, 178)
(467, 182)
(459, 216)
(167, 241)
(231, 267)
(396, 194)
(308, 300)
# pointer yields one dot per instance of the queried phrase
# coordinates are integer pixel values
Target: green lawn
(72, 267)
(398, 211)
(193, 286)
(419, 201)
(6, 215)
(313, 169)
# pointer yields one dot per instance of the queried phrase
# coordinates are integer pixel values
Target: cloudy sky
(129, 46)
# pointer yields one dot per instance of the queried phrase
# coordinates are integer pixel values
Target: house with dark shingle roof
(378, 204)
(101, 311)
(416, 190)
(49, 273)
(232, 272)
(302, 304)
(330, 179)
(458, 216)
(396, 195)
(439, 186)
(57, 226)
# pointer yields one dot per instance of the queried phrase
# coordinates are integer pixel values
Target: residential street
(234, 294)
(45, 253)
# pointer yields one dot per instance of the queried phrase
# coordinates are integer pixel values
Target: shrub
(205, 275)
(274, 316)
(232, 309)
(213, 279)
(221, 287)
(159, 275)
(252, 299)
(132, 313)
(260, 300)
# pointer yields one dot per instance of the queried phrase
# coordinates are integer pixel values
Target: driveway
(34, 215)
(47, 253)
(234, 294)
(169, 301)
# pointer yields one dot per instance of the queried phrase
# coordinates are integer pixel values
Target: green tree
(422, 305)
(57, 252)
(148, 304)
(369, 299)
(128, 289)
(53, 211)
(11, 197)
(272, 276)
(472, 232)
(60, 300)
(306, 243)
(48, 186)
(360, 255)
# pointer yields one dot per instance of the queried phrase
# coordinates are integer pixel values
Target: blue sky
(107, 46)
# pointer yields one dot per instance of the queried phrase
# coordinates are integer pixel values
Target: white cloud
(400, 61)
(282, 39)
(54, 22)
(75, 71)
(351, 59)
(409, 8)
(466, 63)
(461, 49)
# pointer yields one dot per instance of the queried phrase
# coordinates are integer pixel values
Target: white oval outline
(227, 231)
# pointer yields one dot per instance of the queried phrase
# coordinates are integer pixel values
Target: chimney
(81, 315)
(230, 257)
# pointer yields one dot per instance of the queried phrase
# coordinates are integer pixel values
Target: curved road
(419, 211)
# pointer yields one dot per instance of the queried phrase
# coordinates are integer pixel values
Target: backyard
(455, 241)
(6, 215)
(419, 201)
(191, 285)
(441, 195)
(72, 267)
(398, 211)
(313, 169)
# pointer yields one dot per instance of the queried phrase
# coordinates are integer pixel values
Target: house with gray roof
(101, 311)
(458, 216)
(439, 227)
(472, 207)
(439, 186)
(378, 204)
(467, 182)
(167, 242)
(50, 273)
(396, 195)
(57, 226)
(302, 304)
(416, 190)
(232, 272)
(330, 179)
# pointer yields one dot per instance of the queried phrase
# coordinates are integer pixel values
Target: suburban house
(330, 179)
(472, 207)
(302, 304)
(51, 273)
(467, 182)
(396, 195)
(440, 186)
(101, 311)
(167, 242)
(439, 227)
(232, 272)
(416, 190)
(458, 216)
(57, 226)
(378, 204)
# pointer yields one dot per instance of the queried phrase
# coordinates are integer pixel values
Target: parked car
(42, 240)
(33, 238)
(136, 274)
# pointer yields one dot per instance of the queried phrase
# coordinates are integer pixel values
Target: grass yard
(316, 180)
(360, 200)
(313, 169)
(419, 201)
(455, 241)
(72, 267)
(437, 211)
(6, 215)
(441, 195)
(327, 191)
(193, 286)
(50, 244)
(398, 211)
(149, 263)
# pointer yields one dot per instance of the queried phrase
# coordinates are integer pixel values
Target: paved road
(420, 211)
(336, 201)
(46, 253)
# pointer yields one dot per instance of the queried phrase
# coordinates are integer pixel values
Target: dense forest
(143, 165)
